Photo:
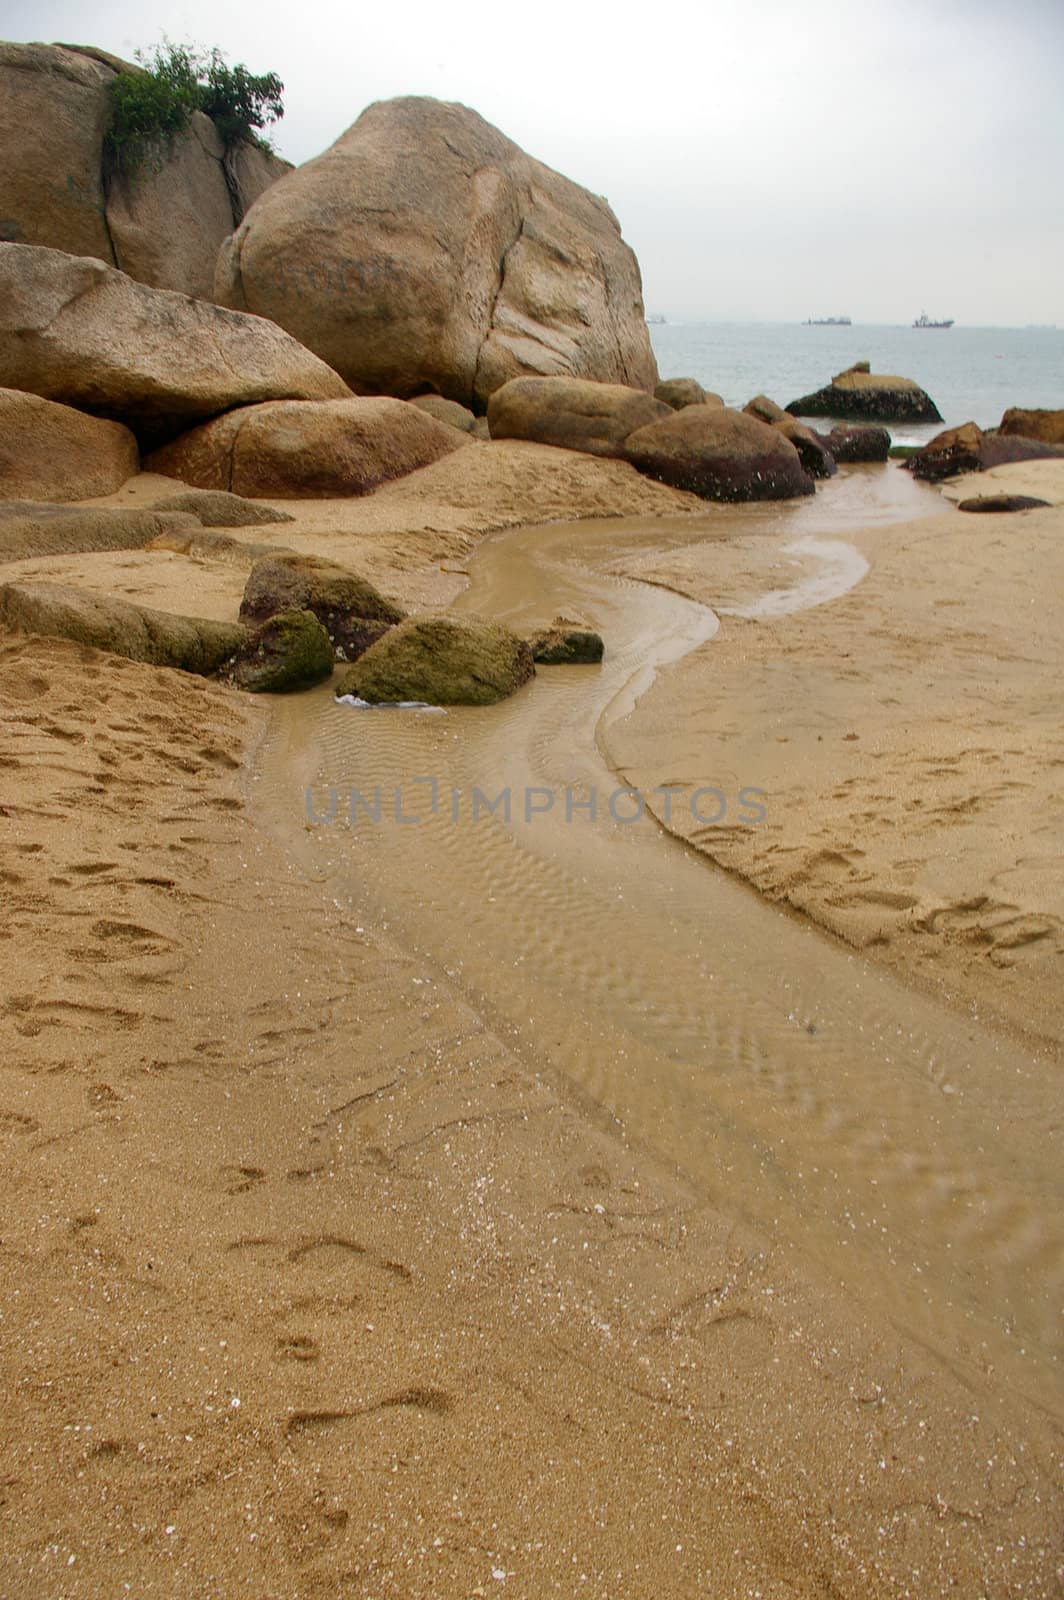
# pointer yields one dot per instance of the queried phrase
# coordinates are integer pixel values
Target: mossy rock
(353, 613)
(290, 651)
(566, 644)
(59, 611)
(441, 661)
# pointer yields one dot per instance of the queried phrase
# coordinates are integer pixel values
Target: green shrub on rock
(154, 103)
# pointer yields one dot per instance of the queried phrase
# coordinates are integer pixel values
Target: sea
(972, 374)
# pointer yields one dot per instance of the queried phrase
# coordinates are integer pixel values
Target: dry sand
(310, 1287)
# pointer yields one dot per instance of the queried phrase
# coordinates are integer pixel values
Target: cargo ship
(924, 321)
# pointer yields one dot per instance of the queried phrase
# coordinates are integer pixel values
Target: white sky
(766, 159)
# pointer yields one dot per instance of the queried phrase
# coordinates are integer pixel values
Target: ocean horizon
(973, 374)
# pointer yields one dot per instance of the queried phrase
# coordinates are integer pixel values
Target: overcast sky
(766, 159)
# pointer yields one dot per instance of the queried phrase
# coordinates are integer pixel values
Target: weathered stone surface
(76, 331)
(858, 443)
(680, 392)
(573, 413)
(167, 222)
(290, 651)
(441, 661)
(164, 222)
(1048, 426)
(29, 528)
(59, 611)
(969, 449)
(425, 250)
(52, 452)
(812, 447)
(54, 112)
(720, 454)
(208, 545)
(448, 411)
(865, 396)
(566, 643)
(353, 613)
(1002, 502)
(302, 449)
(764, 409)
(215, 508)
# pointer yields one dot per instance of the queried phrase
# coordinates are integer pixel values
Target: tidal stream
(908, 1151)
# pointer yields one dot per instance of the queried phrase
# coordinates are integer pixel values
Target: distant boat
(827, 322)
(656, 320)
(924, 321)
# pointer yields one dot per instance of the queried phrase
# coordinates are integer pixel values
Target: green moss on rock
(442, 661)
(290, 651)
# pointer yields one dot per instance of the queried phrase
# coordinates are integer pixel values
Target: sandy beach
(320, 1275)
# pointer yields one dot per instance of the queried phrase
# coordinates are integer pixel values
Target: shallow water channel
(906, 1150)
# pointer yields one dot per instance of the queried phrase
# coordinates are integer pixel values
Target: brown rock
(448, 411)
(720, 454)
(74, 330)
(30, 528)
(764, 409)
(425, 250)
(1002, 502)
(1048, 426)
(571, 412)
(858, 443)
(865, 396)
(59, 611)
(52, 452)
(302, 449)
(216, 509)
(441, 661)
(353, 613)
(167, 222)
(969, 449)
(813, 450)
(54, 112)
(680, 392)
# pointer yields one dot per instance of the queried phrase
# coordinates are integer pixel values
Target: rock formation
(302, 449)
(1048, 426)
(50, 451)
(425, 251)
(720, 454)
(573, 413)
(76, 331)
(969, 449)
(163, 223)
(862, 396)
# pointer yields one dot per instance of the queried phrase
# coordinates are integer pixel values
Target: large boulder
(353, 613)
(52, 452)
(290, 651)
(862, 396)
(161, 220)
(302, 449)
(448, 411)
(74, 330)
(442, 661)
(969, 449)
(59, 611)
(1048, 426)
(719, 454)
(425, 250)
(764, 409)
(572, 412)
(55, 111)
(856, 442)
(30, 528)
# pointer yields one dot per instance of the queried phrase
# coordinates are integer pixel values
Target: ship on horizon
(827, 322)
(924, 321)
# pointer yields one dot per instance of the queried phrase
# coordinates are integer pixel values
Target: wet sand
(420, 1211)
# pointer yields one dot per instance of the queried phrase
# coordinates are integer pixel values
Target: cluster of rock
(163, 223)
(970, 448)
